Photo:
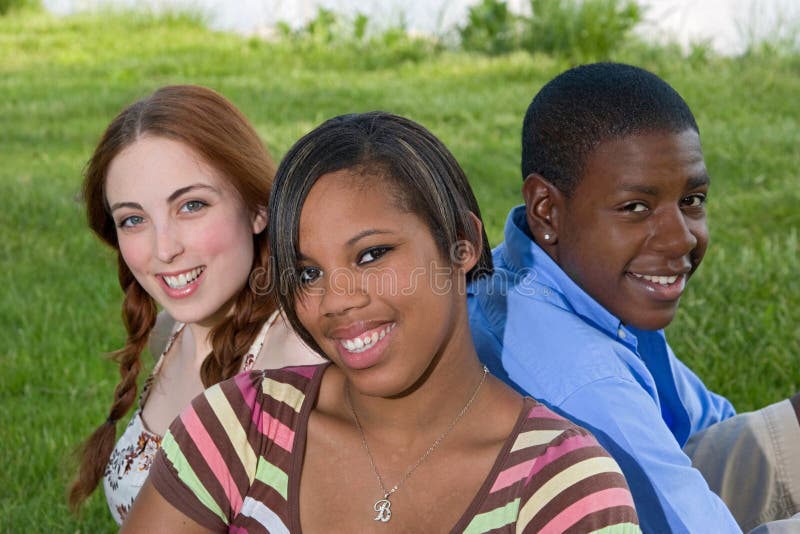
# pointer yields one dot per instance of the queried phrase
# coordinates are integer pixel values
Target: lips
(367, 340)
(181, 284)
(663, 286)
(362, 345)
(179, 281)
(663, 280)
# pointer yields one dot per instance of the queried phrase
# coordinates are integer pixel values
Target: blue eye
(373, 254)
(193, 205)
(130, 222)
(309, 275)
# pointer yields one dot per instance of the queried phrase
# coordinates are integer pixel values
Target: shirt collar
(520, 252)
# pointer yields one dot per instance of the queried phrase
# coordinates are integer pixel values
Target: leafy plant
(490, 28)
(9, 5)
(581, 30)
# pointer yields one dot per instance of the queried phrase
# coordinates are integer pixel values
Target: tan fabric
(752, 461)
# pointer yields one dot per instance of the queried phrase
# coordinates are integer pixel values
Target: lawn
(62, 80)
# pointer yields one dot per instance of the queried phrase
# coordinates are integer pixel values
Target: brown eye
(635, 207)
(373, 254)
(309, 275)
(694, 201)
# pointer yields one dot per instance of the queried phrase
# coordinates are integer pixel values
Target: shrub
(490, 28)
(332, 39)
(8, 5)
(581, 30)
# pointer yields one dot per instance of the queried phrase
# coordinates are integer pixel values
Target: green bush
(491, 28)
(581, 30)
(9, 5)
(333, 40)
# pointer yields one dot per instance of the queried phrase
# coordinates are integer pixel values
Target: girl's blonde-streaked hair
(217, 131)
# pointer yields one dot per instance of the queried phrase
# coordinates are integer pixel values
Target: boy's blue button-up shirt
(540, 332)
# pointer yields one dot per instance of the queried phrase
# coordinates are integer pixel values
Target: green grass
(61, 81)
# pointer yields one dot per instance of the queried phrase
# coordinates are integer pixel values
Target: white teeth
(663, 280)
(360, 344)
(180, 281)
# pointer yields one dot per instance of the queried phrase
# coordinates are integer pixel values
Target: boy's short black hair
(586, 105)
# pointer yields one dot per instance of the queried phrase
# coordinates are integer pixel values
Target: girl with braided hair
(178, 185)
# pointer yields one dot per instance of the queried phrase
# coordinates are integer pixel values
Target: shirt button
(621, 333)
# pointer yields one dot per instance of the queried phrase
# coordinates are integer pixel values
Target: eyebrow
(692, 183)
(353, 240)
(178, 192)
(175, 194)
(697, 181)
(366, 233)
(118, 205)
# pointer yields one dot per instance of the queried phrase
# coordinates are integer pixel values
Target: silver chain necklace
(383, 507)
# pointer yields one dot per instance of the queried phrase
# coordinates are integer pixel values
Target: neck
(199, 342)
(427, 408)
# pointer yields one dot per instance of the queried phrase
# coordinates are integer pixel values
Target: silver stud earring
(547, 237)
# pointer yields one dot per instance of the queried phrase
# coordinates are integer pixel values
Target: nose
(343, 291)
(673, 233)
(168, 243)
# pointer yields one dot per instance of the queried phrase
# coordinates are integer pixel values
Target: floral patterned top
(132, 457)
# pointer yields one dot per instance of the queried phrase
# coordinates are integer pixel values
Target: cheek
(700, 231)
(135, 251)
(222, 238)
(305, 307)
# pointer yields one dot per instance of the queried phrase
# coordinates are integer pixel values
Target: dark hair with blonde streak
(210, 125)
(420, 171)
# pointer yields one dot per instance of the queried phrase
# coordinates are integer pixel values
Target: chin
(654, 321)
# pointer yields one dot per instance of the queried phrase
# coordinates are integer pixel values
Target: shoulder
(570, 479)
(244, 400)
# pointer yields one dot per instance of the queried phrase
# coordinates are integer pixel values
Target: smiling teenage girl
(375, 234)
(178, 185)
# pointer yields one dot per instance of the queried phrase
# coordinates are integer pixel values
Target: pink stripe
(249, 392)
(237, 530)
(528, 469)
(211, 455)
(543, 412)
(282, 435)
(554, 453)
(512, 474)
(303, 370)
(607, 498)
(245, 384)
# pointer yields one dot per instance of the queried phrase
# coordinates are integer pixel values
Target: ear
(544, 203)
(467, 251)
(259, 220)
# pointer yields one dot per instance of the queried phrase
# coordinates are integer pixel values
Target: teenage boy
(591, 271)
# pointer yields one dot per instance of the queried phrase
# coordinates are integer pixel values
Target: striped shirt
(232, 461)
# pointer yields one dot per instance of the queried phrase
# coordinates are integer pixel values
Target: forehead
(343, 203)
(662, 156)
(341, 193)
(157, 164)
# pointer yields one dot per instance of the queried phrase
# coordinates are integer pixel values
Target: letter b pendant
(384, 509)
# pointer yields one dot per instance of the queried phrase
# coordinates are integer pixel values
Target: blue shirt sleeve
(654, 465)
(569, 365)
